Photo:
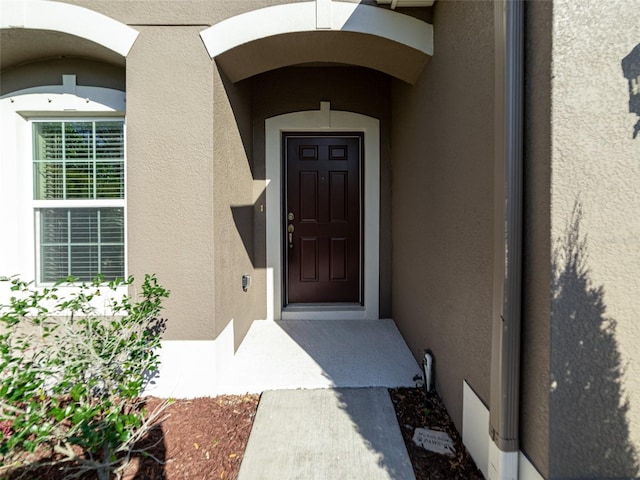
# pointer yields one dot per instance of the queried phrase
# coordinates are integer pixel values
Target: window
(79, 198)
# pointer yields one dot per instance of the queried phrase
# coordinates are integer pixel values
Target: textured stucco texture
(536, 281)
(442, 202)
(170, 174)
(595, 231)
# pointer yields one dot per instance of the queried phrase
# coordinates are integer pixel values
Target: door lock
(290, 229)
(291, 217)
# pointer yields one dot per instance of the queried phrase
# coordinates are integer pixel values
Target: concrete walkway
(325, 411)
(344, 433)
(296, 354)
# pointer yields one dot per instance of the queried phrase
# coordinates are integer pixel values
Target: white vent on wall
(406, 3)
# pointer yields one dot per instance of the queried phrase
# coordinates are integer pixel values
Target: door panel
(338, 196)
(309, 259)
(324, 209)
(339, 256)
(309, 200)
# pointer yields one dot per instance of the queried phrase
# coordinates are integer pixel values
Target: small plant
(72, 369)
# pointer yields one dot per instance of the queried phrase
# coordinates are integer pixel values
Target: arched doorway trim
(70, 19)
(408, 34)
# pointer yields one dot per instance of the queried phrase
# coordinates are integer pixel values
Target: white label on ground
(434, 441)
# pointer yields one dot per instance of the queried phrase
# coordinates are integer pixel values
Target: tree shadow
(588, 428)
(631, 70)
(374, 420)
(361, 363)
(146, 463)
(327, 433)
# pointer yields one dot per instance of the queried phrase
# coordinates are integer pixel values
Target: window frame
(37, 205)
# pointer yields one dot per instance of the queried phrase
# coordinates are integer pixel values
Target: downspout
(507, 268)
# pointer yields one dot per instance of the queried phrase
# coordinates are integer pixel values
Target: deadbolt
(291, 216)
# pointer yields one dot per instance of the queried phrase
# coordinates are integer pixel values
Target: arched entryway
(325, 121)
(321, 31)
(318, 34)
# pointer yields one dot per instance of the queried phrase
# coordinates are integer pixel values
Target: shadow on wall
(631, 70)
(248, 219)
(589, 432)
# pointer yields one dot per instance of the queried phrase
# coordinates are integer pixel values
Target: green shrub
(72, 369)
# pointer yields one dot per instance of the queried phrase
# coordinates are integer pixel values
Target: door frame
(324, 120)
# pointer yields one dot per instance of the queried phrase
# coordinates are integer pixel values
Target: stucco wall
(442, 204)
(170, 173)
(191, 141)
(594, 424)
(170, 12)
(233, 208)
(49, 72)
(536, 281)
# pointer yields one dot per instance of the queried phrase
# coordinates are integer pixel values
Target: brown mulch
(201, 439)
(205, 439)
(413, 412)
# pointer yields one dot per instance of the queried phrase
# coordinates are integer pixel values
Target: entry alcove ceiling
(321, 47)
(323, 31)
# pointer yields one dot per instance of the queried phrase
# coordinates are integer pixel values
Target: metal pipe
(507, 275)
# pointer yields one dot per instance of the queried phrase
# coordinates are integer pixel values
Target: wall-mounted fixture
(427, 366)
(246, 282)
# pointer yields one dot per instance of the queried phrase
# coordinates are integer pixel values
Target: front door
(323, 218)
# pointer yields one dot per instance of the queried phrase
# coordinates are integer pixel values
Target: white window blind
(79, 162)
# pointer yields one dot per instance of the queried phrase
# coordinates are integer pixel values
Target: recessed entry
(308, 152)
(337, 153)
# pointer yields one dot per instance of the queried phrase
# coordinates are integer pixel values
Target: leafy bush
(72, 369)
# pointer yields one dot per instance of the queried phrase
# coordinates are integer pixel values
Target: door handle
(290, 229)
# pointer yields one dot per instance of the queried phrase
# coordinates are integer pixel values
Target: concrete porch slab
(310, 354)
(346, 433)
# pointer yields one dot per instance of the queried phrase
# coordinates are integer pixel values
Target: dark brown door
(322, 218)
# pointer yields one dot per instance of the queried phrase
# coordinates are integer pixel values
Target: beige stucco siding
(192, 12)
(595, 230)
(171, 12)
(195, 189)
(442, 204)
(233, 209)
(536, 281)
(49, 72)
(170, 174)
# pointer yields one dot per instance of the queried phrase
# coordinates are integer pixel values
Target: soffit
(321, 31)
(20, 46)
(343, 48)
(36, 29)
